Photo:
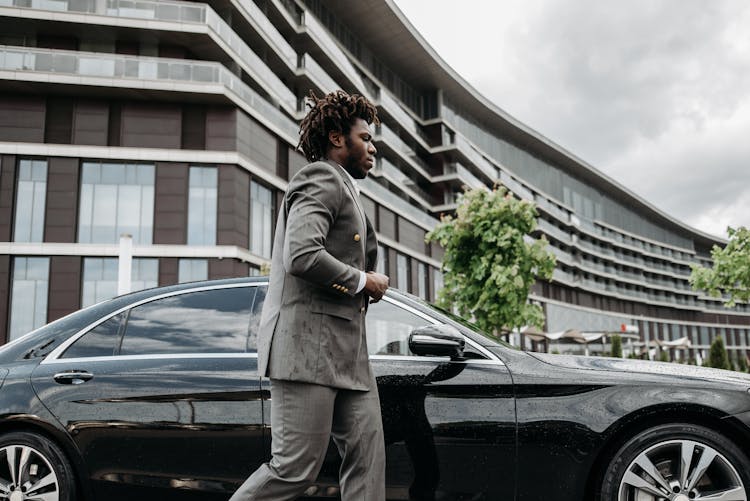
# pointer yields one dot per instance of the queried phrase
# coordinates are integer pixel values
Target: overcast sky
(656, 94)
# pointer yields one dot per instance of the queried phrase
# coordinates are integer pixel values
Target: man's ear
(336, 138)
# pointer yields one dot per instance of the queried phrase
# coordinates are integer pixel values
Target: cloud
(652, 92)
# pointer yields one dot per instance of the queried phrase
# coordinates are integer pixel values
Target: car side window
(255, 310)
(388, 329)
(101, 341)
(211, 321)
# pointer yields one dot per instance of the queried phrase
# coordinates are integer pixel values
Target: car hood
(642, 367)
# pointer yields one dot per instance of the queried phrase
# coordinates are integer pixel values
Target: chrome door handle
(73, 377)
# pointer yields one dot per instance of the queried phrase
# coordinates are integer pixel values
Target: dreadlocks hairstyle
(333, 112)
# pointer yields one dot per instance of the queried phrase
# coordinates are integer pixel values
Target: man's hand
(376, 285)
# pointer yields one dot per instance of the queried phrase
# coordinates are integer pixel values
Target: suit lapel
(353, 193)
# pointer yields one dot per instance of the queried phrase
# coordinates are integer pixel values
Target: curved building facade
(176, 122)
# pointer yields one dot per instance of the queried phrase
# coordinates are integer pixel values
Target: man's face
(359, 150)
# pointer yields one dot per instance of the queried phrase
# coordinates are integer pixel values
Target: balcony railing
(317, 73)
(475, 157)
(181, 12)
(149, 72)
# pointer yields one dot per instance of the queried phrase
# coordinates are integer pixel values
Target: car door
(163, 399)
(450, 426)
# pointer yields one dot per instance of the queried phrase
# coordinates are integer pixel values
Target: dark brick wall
(91, 123)
(64, 286)
(233, 207)
(7, 196)
(256, 143)
(169, 268)
(386, 222)
(171, 203)
(227, 268)
(221, 129)
(151, 125)
(61, 207)
(296, 161)
(411, 235)
(22, 119)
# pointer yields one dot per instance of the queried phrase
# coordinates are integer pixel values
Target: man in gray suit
(311, 342)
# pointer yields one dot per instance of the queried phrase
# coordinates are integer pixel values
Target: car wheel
(34, 468)
(677, 462)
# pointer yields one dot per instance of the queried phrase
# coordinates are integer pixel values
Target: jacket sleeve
(313, 200)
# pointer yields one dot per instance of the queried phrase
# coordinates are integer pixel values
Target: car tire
(33, 465)
(649, 466)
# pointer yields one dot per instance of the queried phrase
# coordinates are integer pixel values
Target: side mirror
(437, 340)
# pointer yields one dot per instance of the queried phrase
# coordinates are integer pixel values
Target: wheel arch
(632, 424)
(31, 424)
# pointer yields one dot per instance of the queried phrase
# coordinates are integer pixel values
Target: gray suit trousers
(303, 418)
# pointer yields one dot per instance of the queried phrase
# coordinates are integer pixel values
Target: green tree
(490, 262)
(717, 357)
(663, 356)
(730, 274)
(616, 346)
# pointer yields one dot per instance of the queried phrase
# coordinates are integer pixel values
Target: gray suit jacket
(312, 328)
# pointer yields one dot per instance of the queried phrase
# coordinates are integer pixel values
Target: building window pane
(202, 206)
(116, 199)
(382, 265)
(261, 218)
(402, 272)
(30, 201)
(192, 270)
(100, 277)
(437, 283)
(28, 299)
(422, 278)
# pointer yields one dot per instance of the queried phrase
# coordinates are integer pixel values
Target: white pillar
(125, 264)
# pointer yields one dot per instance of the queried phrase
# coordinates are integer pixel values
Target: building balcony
(130, 74)
(168, 16)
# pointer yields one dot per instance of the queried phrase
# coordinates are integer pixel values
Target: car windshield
(461, 321)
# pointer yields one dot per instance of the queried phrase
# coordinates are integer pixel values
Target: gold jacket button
(356, 237)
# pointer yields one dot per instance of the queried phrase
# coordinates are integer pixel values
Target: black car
(156, 395)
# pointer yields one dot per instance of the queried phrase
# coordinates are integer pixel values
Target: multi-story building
(176, 122)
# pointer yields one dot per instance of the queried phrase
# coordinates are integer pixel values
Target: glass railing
(475, 157)
(389, 103)
(144, 69)
(396, 176)
(400, 146)
(397, 204)
(317, 73)
(468, 178)
(181, 12)
(329, 46)
(263, 25)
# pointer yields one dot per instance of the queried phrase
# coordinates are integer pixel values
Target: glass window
(382, 265)
(192, 270)
(261, 218)
(255, 311)
(101, 341)
(116, 199)
(402, 272)
(30, 201)
(202, 206)
(437, 283)
(100, 277)
(213, 321)
(388, 328)
(422, 280)
(28, 296)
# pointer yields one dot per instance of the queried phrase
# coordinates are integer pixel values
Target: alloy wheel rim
(681, 470)
(26, 475)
